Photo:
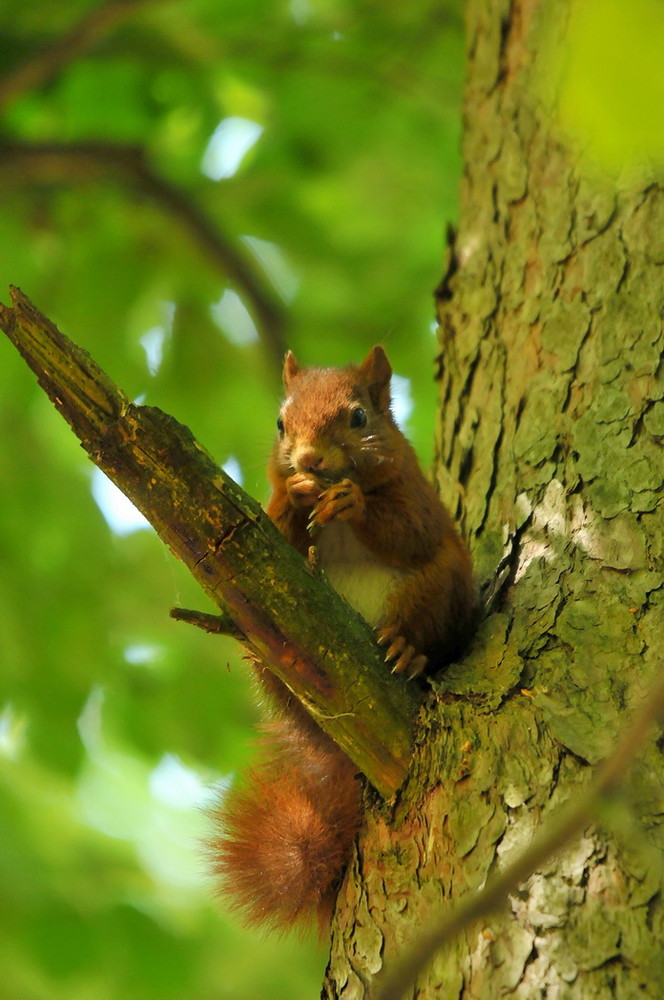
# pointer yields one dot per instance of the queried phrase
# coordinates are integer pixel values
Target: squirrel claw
(409, 664)
(385, 635)
(311, 525)
(398, 649)
(405, 655)
(341, 501)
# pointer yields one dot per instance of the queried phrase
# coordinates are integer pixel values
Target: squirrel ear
(377, 370)
(291, 368)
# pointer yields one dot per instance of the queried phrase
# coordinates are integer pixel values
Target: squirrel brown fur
(344, 478)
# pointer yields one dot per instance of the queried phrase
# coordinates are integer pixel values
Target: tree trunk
(551, 421)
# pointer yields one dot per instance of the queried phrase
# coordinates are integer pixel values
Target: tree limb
(289, 616)
(393, 984)
(213, 624)
(94, 161)
(48, 61)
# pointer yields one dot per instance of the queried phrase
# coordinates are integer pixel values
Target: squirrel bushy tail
(285, 835)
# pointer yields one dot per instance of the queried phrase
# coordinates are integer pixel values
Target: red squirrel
(344, 477)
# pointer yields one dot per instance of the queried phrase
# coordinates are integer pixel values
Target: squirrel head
(337, 422)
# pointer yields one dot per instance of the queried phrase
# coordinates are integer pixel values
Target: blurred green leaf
(113, 718)
(613, 85)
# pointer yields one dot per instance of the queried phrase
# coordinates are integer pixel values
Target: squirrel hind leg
(283, 846)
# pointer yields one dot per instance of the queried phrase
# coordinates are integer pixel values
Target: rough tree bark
(552, 421)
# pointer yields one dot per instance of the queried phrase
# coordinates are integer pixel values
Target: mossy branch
(286, 612)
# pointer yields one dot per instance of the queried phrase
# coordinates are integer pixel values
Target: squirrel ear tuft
(291, 368)
(377, 370)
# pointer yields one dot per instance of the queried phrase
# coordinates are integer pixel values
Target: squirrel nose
(310, 460)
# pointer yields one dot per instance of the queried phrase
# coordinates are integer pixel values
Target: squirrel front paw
(406, 661)
(303, 491)
(340, 502)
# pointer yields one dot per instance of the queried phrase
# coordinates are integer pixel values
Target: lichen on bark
(551, 424)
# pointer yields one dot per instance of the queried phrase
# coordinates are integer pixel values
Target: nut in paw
(303, 491)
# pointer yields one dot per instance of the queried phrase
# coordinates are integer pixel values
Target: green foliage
(114, 720)
(613, 82)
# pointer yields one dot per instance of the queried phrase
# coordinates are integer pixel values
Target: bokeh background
(314, 148)
(187, 187)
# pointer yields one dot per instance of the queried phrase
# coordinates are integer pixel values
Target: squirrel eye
(358, 418)
(280, 425)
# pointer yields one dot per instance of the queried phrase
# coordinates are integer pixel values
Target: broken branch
(290, 618)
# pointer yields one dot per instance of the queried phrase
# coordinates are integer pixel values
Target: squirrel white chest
(355, 572)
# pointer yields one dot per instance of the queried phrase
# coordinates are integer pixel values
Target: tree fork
(288, 615)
